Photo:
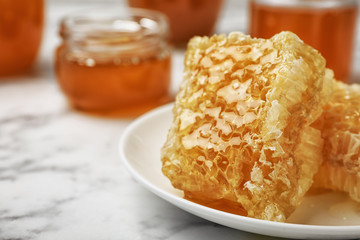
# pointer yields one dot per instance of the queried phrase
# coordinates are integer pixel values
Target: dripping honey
(219, 204)
(21, 26)
(123, 71)
(328, 28)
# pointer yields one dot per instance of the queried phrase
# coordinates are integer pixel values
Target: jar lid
(122, 29)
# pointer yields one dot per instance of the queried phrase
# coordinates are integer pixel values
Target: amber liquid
(220, 204)
(21, 25)
(112, 89)
(329, 30)
(187, 18)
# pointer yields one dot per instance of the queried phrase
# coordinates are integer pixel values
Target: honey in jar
(21, 26)
(187, 18)
(114, 61)
(327, 25)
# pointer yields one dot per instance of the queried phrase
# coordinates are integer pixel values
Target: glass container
(21, 27)
(114, 61)
(187, 18)
(327, 25)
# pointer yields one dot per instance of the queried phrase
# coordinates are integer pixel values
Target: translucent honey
(115, 66)
(187, 18)
(21, 26)
(326, 25)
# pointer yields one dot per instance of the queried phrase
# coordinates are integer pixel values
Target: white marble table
(60, 173)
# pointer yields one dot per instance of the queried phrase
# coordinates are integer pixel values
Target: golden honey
(340, 126)
(187, 18)
(21, 27)
(115, 66)
(327, 25)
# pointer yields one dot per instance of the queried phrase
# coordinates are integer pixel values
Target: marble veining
(61, 176)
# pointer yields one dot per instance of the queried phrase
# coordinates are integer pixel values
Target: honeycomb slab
(340, 123)
(241, 130)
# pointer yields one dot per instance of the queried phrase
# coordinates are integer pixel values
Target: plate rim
(317, 231)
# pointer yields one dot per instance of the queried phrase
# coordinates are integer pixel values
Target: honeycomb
(340, 123)
(241, 130)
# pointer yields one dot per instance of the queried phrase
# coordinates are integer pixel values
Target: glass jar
(187, 18)
(114, 61)
(21, 26)
(327, 25)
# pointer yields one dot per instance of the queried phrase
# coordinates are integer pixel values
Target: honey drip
(220, 204)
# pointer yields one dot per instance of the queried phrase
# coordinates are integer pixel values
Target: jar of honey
(114, 61)
(327, 25)
(21, 27)
(187, 18)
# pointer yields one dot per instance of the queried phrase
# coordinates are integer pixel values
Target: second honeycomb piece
(340, 169)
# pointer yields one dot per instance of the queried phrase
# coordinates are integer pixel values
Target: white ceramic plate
(326, 216)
